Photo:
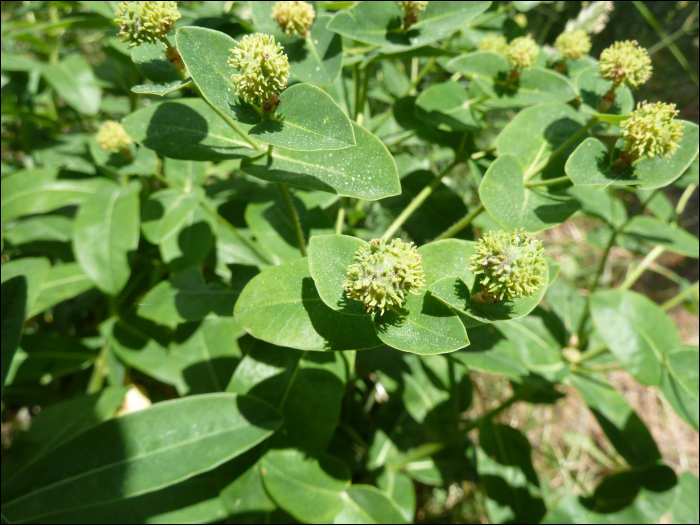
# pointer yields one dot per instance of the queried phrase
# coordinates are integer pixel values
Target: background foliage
(165, 344)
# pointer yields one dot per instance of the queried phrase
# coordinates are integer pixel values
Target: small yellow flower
(625, 63)
(493, 42)
(573, 44)
(145, 21)
(522, 52)
(652, 130)
(111, 137)
(294, 18)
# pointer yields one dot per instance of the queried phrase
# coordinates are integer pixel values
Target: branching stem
(461, 224)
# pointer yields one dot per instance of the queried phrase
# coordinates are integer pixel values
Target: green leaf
(317, 59)
(679, 384)
(150, 60)
(454, 464)
(599, 202)
(189, 245)
(307, 119)
(270, 223)
(34, 270)
(626, 431)
(329, 258)
(42, 190)
(593, 164)
(382, 23)
(439, 211)
(507, 475)
(245, 496)
(161, 89)
(641, 495)
(307, 387)
(185, 129)
(592, 87)
(74, 81)
(366, 171)
(145, 163)
(447, 106)
(263, 22)
(422, 326)
(489, 72)
(288, 292)
(649, 230)
(636, 330)
(685, 509)
(309, 487)
(507, 199)
(58, 423)
(166, 210)
(399, 488)
(49, 228)
(14, 300)
(205, 52)
(185, 297)
(490, 352)
(185, 173)
(447, 257)
(368, 504)
(683, 365)
(206, 354)
(223, 425)
(62, 282)
(567, 303)
(106, 235)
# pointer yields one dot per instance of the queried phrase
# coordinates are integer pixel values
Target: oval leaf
(592, 87)
(649, 230)
(318, 58)
(166, 210)
(368, 504)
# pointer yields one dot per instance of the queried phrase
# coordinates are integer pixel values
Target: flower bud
(511, 264)
(111, 137)
(384, 273)
(625, 63)
(573, 44)
(522, 52)
(145, 21)
(493, 42)
(410, 11)
(294, 18)
(652, 130)
(263, 69)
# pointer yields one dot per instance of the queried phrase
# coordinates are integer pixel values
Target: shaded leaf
(14, 300)
(75, 82)
(62, 282)
(317, 59)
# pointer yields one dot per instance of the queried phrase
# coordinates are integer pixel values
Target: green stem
(296, 223)
(461, 224)
(382, 119)
(417, 201)
(639, 270)
(254, 143)
(593, 352)
(424, 71)
(572, 139)
(679, 298)
(683, 201)
(99, 371)
(603, 260)
(495, 14)
(340, 219)
(359, 111)
(548, 182)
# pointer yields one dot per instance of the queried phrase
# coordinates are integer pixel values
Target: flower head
(493, 42)
(512, 264)
(384, 273)
(625, 63)
(111, 137)
(145, 21)
(522, 52)
(652, 130)
(410, 11)
(263, 69)
(573, 44)
(294, 18)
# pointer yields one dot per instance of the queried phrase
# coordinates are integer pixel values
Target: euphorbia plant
(299, 229)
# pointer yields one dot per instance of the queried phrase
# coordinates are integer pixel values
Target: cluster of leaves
(203, 258)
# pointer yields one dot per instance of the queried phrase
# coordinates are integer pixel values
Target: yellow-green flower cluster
(410, 11)
(512, 264)
(652, 130)
(263, 69)
(111, 137)
(294, 18)
(625, 63)
(522, 52)
(573, 44)
(493, 42)
(384, 273)
(145, 21)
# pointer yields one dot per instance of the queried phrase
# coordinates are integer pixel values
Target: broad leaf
(317, 59)
(185, 297)
(636, 330)
(75, 82)
(368, 504)
(593, 164)
(33, 270)
(107, 234)
(649, 230)
(366, 171)
(566, 301)
(185, 173)
(185, 129)
(447, 257)
(166, 210)
(490, 352)
(679, 383)
(447, 106)
(151, 62)
(382, 23)
(592, 87)
(161, 89)
(423, 325)
(685, 509)
(196, 434)
(62, 282)
(288, 292)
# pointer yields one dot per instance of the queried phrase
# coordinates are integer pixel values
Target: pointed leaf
(161, 89)
(62, 282)
(75, 82)
(166, 210)
(368, 504)
(652, 231)
(34, 270)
